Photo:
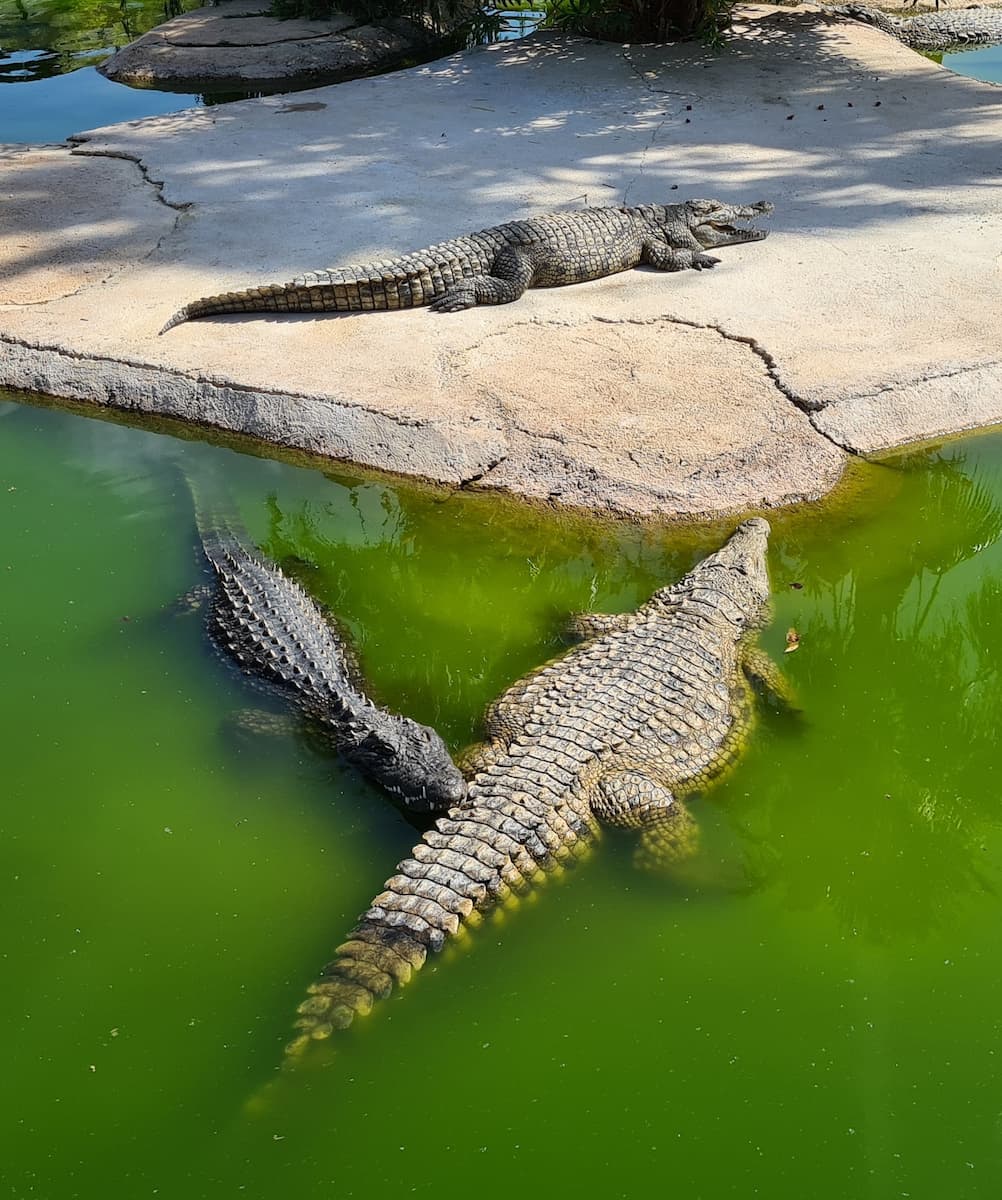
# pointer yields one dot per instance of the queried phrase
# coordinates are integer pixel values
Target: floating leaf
(792, 641)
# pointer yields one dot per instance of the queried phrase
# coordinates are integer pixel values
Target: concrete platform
(872, 316)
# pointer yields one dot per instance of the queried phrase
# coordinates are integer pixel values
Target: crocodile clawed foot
(701, 262)
(454, 300)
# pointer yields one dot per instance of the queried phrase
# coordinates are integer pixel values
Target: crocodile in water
(945, 30)
(495, 266)
(651, 706)
(276, 632)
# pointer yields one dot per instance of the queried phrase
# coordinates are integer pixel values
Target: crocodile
(277, 633)
(646, 709)
(944, 30)
(495, 266)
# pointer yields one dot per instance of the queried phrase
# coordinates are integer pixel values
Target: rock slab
(238, 45)
(872, 315)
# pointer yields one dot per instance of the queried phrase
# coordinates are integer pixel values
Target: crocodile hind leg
(668, 841)
(248, 725)
(511, 273)
(194, 600)
(632, 800)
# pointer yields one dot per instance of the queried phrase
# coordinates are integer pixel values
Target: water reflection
(899, 661)
(53, 37)
(486, 584)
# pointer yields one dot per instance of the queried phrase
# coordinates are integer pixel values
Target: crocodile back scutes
(658, 693)
(274, 630)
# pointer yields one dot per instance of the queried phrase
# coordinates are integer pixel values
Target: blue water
(49, 110)
(985, 63)
(49, 54)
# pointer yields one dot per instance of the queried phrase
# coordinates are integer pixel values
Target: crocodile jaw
(737, 571)
(744, 556)
(714, 223)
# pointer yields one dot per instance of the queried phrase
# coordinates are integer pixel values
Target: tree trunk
(669, 20)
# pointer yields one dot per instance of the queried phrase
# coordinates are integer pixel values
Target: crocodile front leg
(478, 757)
(583, 626)
(249, 725)
(511, 273)
(662, 256)
(763, 672)
(632, 800)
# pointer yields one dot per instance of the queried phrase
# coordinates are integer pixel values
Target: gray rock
(239, 43)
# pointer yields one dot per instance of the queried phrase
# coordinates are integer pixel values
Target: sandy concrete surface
(237, 43)
(870, 317)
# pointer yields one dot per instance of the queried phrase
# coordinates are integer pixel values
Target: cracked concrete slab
(604, 429)
(870, 317)
(72, 222)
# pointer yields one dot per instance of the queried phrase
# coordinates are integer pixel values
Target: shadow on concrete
(837, 124)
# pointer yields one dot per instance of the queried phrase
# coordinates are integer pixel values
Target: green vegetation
(642, 20)
(77, 33)
(615, 20)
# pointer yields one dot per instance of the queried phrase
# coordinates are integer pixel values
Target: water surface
(49, 52)
(809, 1009)
(985, 63)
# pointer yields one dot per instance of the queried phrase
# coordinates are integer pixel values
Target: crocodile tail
(380, 287)
(300, 296)
(270, 297)
(408, 282)
(474, 858)
(216, 516)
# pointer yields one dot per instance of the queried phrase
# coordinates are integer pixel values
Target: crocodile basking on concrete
(495, 266)
(943, 30)
(650, 707)
(275, 631)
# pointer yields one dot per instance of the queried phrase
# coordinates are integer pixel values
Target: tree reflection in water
(888, 795)
(475, 589)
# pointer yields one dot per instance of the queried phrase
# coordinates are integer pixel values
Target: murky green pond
(811, 1010)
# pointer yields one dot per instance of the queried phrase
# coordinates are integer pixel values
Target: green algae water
(809, 1009)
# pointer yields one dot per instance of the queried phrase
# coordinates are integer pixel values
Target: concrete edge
(424, 451)
(319, 425)
(956, 402)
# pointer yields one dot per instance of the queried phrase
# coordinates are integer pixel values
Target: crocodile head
(737, 573)
(411, 761)
(712, 223)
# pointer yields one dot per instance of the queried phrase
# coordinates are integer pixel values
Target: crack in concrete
(652, 140)
(836, 441)
(932, 376)
(653, 90)
(78, 141)
(489, 468)
(771, 365)
(509, 425)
